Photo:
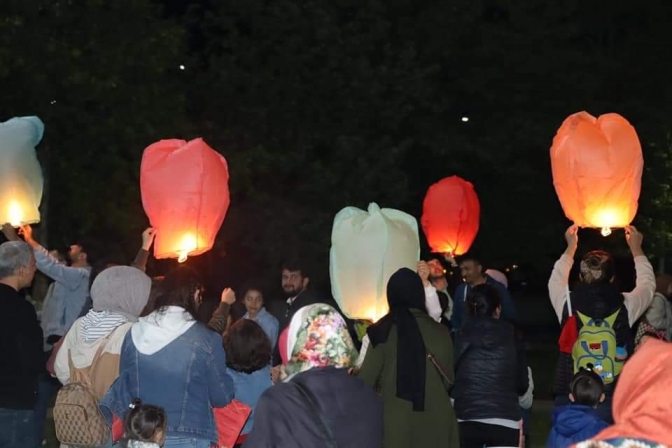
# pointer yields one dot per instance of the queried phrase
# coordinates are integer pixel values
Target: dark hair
(483, 300)
(587, 388)
(470, 257)
(250, 287)
(178, 289)
(598, 260)
(247, 346)
(294, 265)
(143, 421)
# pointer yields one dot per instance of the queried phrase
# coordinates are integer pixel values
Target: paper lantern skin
(21, 180)
(597, 169)
(367, 247)
(451, 216)
(185, 193)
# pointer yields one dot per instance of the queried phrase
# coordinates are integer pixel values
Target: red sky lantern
(185, 193)
(451, 215)
(597, 169)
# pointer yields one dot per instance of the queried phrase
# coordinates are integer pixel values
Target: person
(71, 284)
(415, 396)
(140, 262)
(144, 426)
(119, 295)
(318, 403)
(657, 320)
(248, 351)
(433, 307)
(20, 347)
(438, 280)
(597, 299)
(253, 300)
(642, 402)
(491, 373)
(171, 360)
(295, 282)
(577, 421)
(472, 272)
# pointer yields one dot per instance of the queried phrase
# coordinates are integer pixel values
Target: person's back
(351, 407)
(415, 396)
(487, 377)
(174, 362)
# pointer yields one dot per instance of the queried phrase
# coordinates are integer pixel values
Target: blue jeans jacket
(186, 378)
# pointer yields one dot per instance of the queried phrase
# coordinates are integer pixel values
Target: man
(597, 298)
(472, 273)
(71, 285)
(295, 281)
(20, 347)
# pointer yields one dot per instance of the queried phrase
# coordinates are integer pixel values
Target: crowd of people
(135, 362)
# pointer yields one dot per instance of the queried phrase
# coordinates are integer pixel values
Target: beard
(292, 291)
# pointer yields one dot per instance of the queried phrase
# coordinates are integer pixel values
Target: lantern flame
(15, 214)
(187, 245)
(606, 231)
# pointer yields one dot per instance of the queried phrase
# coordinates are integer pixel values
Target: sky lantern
(597, 170)
(367, 247)
(451, 215)
(185, 193)
(21, 180)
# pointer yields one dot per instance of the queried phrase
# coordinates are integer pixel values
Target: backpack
(78, 420)
(596, 345)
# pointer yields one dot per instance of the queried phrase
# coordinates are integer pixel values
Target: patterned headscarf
(594, 267)
(318, 337)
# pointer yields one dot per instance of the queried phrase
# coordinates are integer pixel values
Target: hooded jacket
(573, 424)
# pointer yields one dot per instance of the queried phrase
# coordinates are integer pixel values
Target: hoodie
(573, 424)
(160, 328)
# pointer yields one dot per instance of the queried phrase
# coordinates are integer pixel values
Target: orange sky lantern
(185, 193)
(451, 215)
(21, 180)
(597, 168)
(367, 247)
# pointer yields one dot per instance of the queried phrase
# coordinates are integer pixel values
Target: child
(578, 421)
(144, 426)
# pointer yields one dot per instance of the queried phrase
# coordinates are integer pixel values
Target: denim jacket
(186, 378)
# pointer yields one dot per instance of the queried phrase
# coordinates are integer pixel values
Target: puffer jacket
(490, 372)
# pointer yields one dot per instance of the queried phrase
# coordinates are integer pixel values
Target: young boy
(578, 421)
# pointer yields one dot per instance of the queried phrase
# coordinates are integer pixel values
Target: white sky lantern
(21, 179)
(367, 247)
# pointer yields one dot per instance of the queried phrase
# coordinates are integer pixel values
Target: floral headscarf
(318, 337)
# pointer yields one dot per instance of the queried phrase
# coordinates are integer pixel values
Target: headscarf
(643, 398)
(405, 292)
(318, 337)
(498, 276)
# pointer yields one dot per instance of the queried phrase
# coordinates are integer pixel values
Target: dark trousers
(47, 387)
(17, 428)
(478, 435)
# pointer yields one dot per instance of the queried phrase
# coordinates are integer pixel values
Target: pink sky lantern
(185, 193)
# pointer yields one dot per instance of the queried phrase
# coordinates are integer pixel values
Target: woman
(318, 404)
(657, 320)
(642, 403)
(174, 362)
(491, 373)
(248, 353)
(254, 304)
(119, 295)
(415, 394)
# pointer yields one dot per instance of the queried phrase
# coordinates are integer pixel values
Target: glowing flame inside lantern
(15, 214)
(606, 219)
(187, 245)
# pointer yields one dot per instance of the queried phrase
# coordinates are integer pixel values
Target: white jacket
(83, 352)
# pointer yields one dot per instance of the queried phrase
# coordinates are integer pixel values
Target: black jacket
(284, 419)
(21, 351)
(490, 371)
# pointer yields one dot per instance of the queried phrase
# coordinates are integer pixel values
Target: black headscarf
(405, 291)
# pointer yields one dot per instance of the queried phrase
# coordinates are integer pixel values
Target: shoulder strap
(309, 397)
(438, 368)
(101, 348)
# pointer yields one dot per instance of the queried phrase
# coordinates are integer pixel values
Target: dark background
(323, 104)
